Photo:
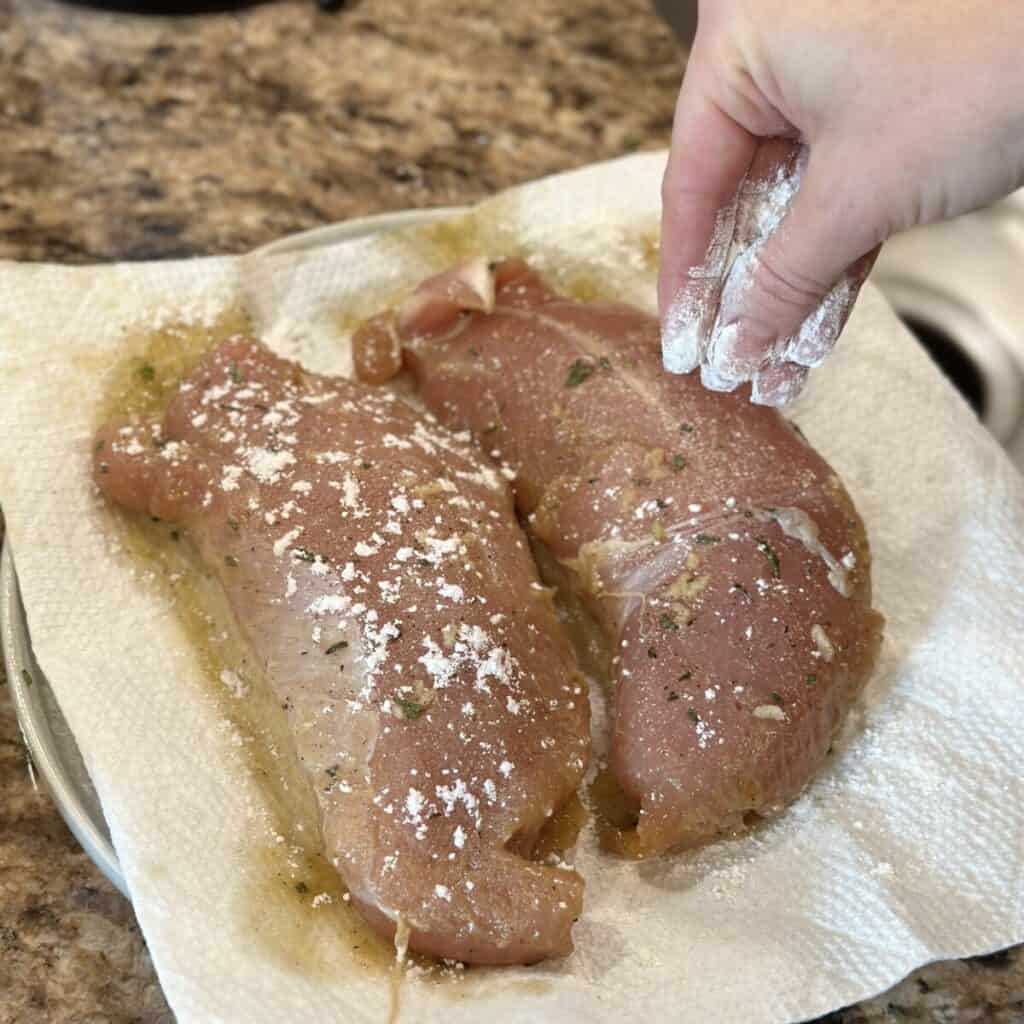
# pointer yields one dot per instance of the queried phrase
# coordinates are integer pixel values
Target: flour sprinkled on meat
(375, 565)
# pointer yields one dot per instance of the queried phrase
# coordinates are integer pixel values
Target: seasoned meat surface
(375, 565)
(719, 552)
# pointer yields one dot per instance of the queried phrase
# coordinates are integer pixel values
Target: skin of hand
(905, 112)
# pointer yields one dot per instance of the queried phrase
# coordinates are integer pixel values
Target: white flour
(701, 326)
(684, 332)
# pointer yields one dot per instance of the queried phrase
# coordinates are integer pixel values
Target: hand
(806, 133)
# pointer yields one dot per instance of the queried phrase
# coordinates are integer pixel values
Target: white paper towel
(909, 846)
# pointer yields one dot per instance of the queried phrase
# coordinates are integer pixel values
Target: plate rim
(34, 724)
(359, 227)
(32, 717)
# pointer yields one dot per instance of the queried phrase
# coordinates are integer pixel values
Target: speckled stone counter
(136, 138)
(124, 137)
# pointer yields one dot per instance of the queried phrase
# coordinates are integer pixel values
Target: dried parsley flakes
(411, 709)
(769, 552)
(580, 371)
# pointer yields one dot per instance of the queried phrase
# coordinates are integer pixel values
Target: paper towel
(908, 847)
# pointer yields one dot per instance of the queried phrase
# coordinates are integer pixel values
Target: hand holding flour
(806, 133)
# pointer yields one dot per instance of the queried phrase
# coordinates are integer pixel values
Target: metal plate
(330, 234)
(55, 755)
(58, 763)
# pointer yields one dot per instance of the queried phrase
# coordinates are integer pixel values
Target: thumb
(788, 294)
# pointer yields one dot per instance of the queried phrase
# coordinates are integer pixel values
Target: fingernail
(735, 348)
(778, 384)
(715, 381)
(680, 350)
(682, 341)
(733, 353)
(820, 331)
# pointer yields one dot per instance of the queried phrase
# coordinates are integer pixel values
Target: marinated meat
(375, 565)
(718, 551)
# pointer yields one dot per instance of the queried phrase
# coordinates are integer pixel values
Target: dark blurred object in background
(681, 16)
(167, 6)
(189, 6)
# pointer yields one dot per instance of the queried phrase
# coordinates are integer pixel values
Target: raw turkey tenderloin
(719, 552)
(376, 567)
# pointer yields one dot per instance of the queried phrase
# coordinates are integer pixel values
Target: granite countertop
(126, 137)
